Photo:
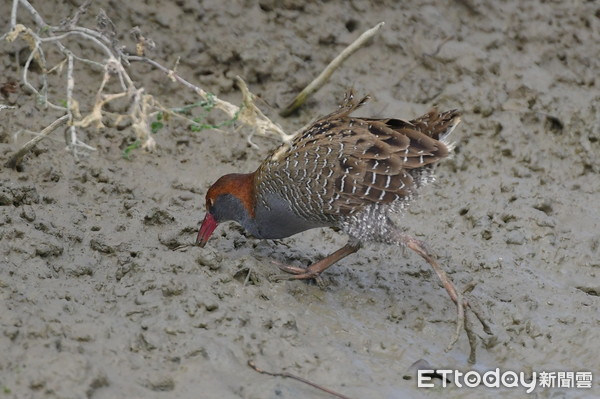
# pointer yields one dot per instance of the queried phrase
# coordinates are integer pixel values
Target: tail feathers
(454, 119)
(350, 104)
(438, 125)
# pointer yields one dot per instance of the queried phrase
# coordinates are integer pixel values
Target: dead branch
(141, 103)
(15, 160)
(248, 114)
(253, 366)
(333, 65)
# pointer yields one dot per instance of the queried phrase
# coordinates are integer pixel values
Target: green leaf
(156, 126)
(133, 146)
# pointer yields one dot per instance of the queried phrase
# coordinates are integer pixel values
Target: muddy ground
(95, 302)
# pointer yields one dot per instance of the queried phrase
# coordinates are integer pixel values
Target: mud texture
(96, 302)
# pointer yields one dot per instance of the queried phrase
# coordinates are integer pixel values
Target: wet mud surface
(96, 301)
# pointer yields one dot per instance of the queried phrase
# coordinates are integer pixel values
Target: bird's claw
(295, 270)
(298, 273)
(463, 321)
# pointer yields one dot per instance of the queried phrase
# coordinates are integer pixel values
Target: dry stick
(226, 107)
(72, 21)
(333, 65)
(439, 47)
(97, 37)
(249, 114)
(70, 104)
(13, 14)
(295, 377)
(37, 53)
(173, 113)
(34, 13)
(414, 64)
(112, 63)
(15, 160)
(252, 113)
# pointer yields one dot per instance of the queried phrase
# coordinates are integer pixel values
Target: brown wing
(341, 164)
(377, 160)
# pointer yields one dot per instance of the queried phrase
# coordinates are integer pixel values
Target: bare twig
(36, 15)
(295, 377)
(253, 116)
(248, 114)
(82, 34)
(36, 53)
(333, 65)
(438, 48)
(177, 113)
(224, 106)
(142, 105)
(432, 54)
(15, 160)
(73, 20)
(13, 14)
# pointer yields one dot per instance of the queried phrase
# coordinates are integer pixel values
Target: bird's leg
(461, 303)
(314, 270)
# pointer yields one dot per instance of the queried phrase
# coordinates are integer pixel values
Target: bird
(349, 173)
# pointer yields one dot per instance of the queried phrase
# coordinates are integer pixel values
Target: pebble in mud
(210, 258)
(17, 196)
(173, 288)
(5, 197)
(158, 217)
(174, 238)
(26, 195)
(99, 244)
(28, 213)
(161, 384)
(48, 249)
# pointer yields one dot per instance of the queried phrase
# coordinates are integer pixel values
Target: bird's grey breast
(274, 218)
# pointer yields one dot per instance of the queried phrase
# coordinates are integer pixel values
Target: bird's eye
(210, 202)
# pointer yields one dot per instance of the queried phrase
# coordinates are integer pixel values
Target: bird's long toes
(474, 307)
(295, 270)
(297, 273)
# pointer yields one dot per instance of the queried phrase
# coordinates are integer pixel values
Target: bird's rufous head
(230, 198)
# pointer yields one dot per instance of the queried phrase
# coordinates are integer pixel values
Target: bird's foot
(463, 320)
(299, 273)
(313, 272)
(462, 305)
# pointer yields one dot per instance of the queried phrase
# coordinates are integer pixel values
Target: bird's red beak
(208, 226)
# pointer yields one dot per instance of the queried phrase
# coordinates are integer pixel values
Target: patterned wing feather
(341, 164)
